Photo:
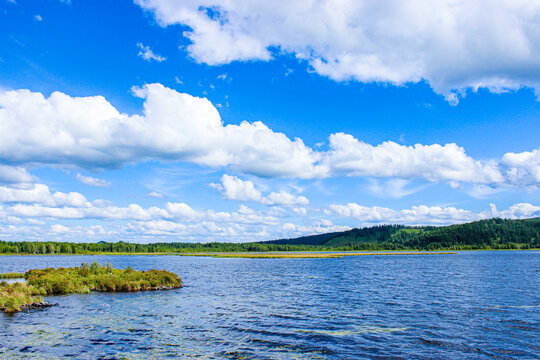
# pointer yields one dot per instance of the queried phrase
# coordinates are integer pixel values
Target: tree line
(493, 233)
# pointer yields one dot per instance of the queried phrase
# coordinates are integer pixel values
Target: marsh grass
(96, 277)
(13, 296)
(82, 279)
(12, 275)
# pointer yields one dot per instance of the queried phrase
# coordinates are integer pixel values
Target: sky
(216, 120)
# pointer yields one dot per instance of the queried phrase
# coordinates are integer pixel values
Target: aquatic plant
(96, 277)
(16, 296)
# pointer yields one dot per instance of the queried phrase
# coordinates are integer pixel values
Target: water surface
(478, 305)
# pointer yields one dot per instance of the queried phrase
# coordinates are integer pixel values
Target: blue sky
(159, 120)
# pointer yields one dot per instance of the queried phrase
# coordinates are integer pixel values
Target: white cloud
(300, 211)
(38, 18)
(147, 54)
(234, 188)
(143, 224)
(39, 202)
(35, 222)
(453, 44)
(15, 175)
(24, 210)
(56, 232)
(155, 194)
(517, 211)
(92, 181)
(89, 133)
(40, 194)
(204, 229)
(393, 188)
(522, 168)
(284, 198)
(481, 191)
(225, 77)
(428, 215)
(59, 229)
(320, 227)
(430, 162)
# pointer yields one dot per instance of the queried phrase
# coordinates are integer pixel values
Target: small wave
(362, 330)
(516, 306)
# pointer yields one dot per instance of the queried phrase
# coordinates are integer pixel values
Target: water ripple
(479, 305)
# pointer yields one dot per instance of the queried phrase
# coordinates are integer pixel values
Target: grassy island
(19, 296)
(12, 275)
(50, 281)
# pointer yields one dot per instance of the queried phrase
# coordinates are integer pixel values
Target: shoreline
(259, 254)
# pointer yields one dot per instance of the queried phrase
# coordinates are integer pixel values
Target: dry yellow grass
(291, 255)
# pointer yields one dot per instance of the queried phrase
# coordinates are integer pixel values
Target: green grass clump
(96, 277)
(15, 295)
(12, 275)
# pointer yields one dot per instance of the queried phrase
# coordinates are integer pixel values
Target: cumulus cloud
(40, 202)
(431, 162)
(234, 188)
(40, 194)
(204, 229)
(284, 198)
(90, 133)
(454, 45)
(147, 54)
(320, 227)
(429, 215)
(27, 213)
(92, 181)
(517, 211)
(15, 175)
(522, 168)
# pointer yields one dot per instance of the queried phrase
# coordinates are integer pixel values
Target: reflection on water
(479, 305)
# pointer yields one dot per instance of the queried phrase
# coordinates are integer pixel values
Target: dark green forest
(485, 234)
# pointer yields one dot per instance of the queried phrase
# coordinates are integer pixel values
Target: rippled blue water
(478, 305)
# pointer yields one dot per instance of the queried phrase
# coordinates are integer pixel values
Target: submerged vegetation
(485, 234)
(83, 279)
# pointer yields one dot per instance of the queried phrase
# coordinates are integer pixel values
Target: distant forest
(485, 234)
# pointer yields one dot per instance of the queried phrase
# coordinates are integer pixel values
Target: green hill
(484, 234)
(492, 233)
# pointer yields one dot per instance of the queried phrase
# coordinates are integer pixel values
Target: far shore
(314, 253)
(281, 254)
(310, 255)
